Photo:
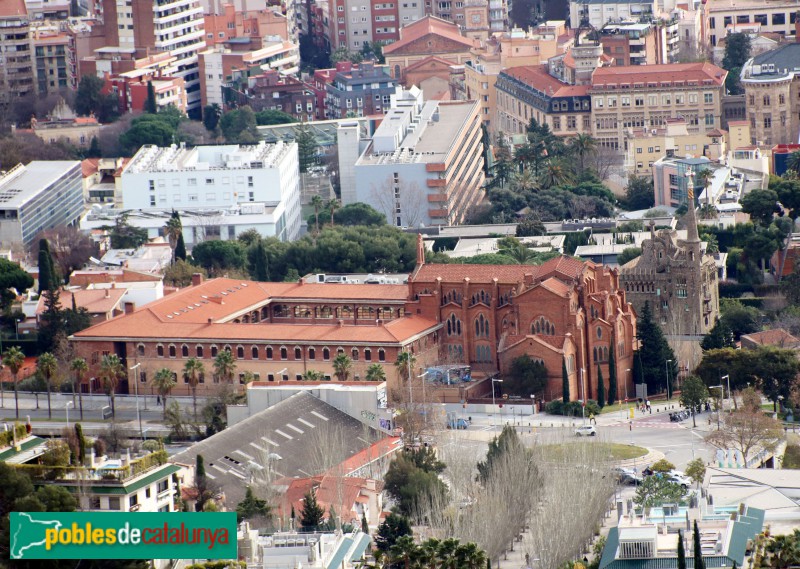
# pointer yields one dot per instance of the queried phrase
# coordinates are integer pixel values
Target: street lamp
(494, 415)
(730, 396)
(136, 389)
(666, 369)
(16, 322)
(66, 408)
(424, 398)
(721, 397)
(583, 399)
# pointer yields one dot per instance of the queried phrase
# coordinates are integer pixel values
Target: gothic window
(312, 353)
(184, 351)
(284, 353)
(453, 326)
(214, 351)
(543, 326)
(172, 350)
(199, 351)
(481, 327)
(239, 352)
(269, 352)
(160, 350)
(354, 354)
(254, 352)
(302, 311)
(366, 312)
(381, 355)
(325, 312)
(298, 354)
(345, 312)
(594, 354)
(599, 332)
(326, 354)
(140, 349)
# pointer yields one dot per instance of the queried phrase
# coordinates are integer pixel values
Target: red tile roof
(777, 337)
(699, 73)
(11, 8)
(89, 166)
(425, 26)
(537, 77)
(568, 267)
(95, 301)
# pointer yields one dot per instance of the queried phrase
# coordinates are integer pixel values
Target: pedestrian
(158, 400)
(630, 425)
(592, 419)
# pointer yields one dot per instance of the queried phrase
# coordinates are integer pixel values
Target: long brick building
(565, 310)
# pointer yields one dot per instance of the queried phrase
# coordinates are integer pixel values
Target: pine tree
(306, 148)
(180, 248)
(612, 372)
(94, 149)
(260, 263)
(681, 551)
(564, 381)
(312, 514)
(52, 321)
(698, 552)
(601, 388)
(47, 280)
(150, 102)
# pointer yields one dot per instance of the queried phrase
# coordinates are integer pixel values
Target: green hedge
(728, 289)
(791, 457)
(572, 408)
(7, 437)
(148, 461)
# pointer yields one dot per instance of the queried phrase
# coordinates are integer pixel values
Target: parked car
(586, 431)
(632, 479)
(680, 478)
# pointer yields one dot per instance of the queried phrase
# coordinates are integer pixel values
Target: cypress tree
(681, 551)
(260, 263)
(200, 482)
(698, 552)
(564, 381)
(654, 352)
(364, 524)
(612, 371)
(601, 388)
(180, 248)
(81, 443)
(150, 102)
(47, 279)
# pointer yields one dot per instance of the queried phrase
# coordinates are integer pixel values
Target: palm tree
(79, 366)
(173, 229)
(225, 366)
(111, 371)
(313, 375)
(164, 381)
(333, 205)
(554, 174)
(13, 359)
(519, 253)
(318, 204)
(583, 145)
(403, 553)
(47, 365)
(342, 365)
(793, 161)
(192, 370)
(405, 364)
(703, 178)
(523, 181)
(470, 556)
(375, 372)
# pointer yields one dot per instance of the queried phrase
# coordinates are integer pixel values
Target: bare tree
(603, 161)
(748, 431)
(409, 197)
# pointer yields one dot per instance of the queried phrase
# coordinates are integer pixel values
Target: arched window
(172, 350)
(345, 312)
(368, 354)
(140, 349)
(254, 352)
(269, 352)
(312, 354)
(228, 348)
(381, 355)
(325, 312)
(543, 326)
(326, 354)
(298, 353)
(594, 353)
(284, 353)
(214, 351)
(199, 351)
(354, 354)
(605, 354)
(185, 351)
(239, 352)
(366, 312)
(160, 350)
(599, 332)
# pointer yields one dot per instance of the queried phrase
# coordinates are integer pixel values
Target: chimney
(108, 293)
(130, 307)
(197, 279)
(341, 323)
(797, 27)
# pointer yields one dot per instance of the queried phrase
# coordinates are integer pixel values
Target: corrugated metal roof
(360, 547)
(340, 554)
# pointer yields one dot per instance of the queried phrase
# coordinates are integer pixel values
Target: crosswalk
(649, 425)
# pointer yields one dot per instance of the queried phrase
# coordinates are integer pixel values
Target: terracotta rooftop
(425, 26)
(95, 301)
(89, 166)
(778, 337)
(569, 267)
(12, 8)
(672, 74)
(537, 77)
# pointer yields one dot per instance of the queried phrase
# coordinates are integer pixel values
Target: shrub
(791, 457)
(572, 408)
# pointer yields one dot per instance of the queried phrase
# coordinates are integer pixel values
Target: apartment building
(260, 179)
(16, 62)
(630, 44)
(352, 23)
(153, 26)
(273, 91)
(514, 48)
(55, 59)
(600, 12)
(39, 196)
(359, 91)
(646, 96)
(645, 146)
(725, 17)
(424, 164)
(771, 84)
(228, 65)
(225, 22)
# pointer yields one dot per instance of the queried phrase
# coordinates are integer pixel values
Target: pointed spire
(692, 235)
(420, 250)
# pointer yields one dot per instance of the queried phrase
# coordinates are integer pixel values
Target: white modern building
(423, 166)
(39, 196)
(224, 190)
(601, 12)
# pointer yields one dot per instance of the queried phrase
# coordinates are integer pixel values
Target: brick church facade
(563, 310)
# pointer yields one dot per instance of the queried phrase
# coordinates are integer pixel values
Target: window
(312, 353)
(368, 354)
(239, 352)
(284, 353)
(254, 352)
(709, 119)
(172, 350)
(381, 355)
(767, 121)
(599, 332)
(142, 377)
(133, 500)
(298, 354)
(159, 351)
(326, 354)
(113, 503)
(781, 100)
(269, 352)
(708, 98)
(184, 351)
(140, 349)
(213, 351)
(778, 19)
(354, 354)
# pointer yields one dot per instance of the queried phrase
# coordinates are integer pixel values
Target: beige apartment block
(638, 97)
(644, 147)
(724, 17)
(16, 64)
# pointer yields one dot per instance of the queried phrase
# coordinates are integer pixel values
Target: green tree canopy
(312, 515)
(407, 483)
(761, 205)
(239, 125)
(656, 490)
(252, 507)
(394, 526)
(655, 354)
(12, 276)
(628, 254)
(272, 116)
(216, 255)
(694, 393)
(639, 193)
(526, 377)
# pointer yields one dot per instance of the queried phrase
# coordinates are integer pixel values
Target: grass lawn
(613, 451)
